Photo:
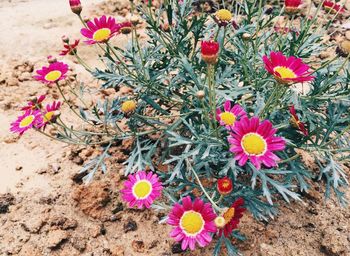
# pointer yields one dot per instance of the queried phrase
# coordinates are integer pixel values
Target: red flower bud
(292, 6)
(210, 51)
(75, 5)
(224, 186)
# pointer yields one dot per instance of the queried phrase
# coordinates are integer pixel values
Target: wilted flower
(128, 106)
(34, 103)
(30, 119)
(70, 48)
(193, 223)
(210, 51)
(141, 189)
(296, 122)
(54, 72)
(333, 7)
(255, 141)
(287, 69)
(75, 5)
(232, 217)
(125, 27)
(230, 115)
(225, 186)
(292, 6)
(101, 30)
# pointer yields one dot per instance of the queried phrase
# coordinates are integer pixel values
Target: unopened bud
(200, 94)
(51, 59)
(75, 6)
(246, 36)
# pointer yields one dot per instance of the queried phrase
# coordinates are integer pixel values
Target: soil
(45, 209)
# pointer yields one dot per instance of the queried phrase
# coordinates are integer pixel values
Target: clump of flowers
(214, 122)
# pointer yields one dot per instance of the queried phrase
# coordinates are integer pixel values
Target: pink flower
(333, 7)
(230, 115)
(101, 30)
(54, 72)
(255, 141)
(30, 119)
(141, 189)
(292, 6)
(193, 223)
(75, 6)
(296, 122)
(210, 51)
(50, 113)
(35, 103)
(287, 69)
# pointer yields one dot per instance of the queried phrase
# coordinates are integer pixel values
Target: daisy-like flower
(210, 51)
(223, 17)
(230, 115)
(230, 218)
(292, 6)
(141, 189)
(54, 72)
(70, 48)
(128, 106)
(193, 222)
(332, 7)
(51, 113)
(225, 186)
(255, 141)
(30, 119)
(101, 30)
(296, 122)
(287, 70)
(34, 103)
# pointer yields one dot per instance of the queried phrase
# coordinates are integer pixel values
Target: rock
(97, 231)
(334, 242)
(176, 248)
(138, 246)
(153, 244)
(19, 167)
(131, 225)
(56, 238)
(33, 225)
(5, 201)
(117, 251)
(63, 223)
(79, 243)
(12, 82)
(25, 76)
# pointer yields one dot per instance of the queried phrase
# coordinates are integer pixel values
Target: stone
(56, 238)
(131, 225)
(6, 200)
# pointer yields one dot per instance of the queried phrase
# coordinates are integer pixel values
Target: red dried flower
(225, 186)
(69, 48)
(210, 51)
(232, 217)
(296, 122)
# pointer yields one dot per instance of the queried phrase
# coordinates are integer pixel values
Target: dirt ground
(44, 208)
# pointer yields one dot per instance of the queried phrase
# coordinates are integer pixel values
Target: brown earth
(46, 210)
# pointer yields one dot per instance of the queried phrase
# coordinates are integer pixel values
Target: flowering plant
(210, 112)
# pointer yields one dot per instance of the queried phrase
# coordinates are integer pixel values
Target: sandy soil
(44, 208)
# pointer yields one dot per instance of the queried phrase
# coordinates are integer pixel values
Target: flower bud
(220, 222)
(128, 106)
(224, 186)
(246, 36)
(65, 39)
(200, 94)
(223, 17)
(210, 52)
(292, 6)
(75, 6)
(51, 59)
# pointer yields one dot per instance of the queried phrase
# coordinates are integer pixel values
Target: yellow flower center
(220, 222)
(48, 116)
(224, 15)
(26, 121)
(128, 106)
(228, 118)
(142, 189)
(101, 34)
(253, 144)
(53, 76)
(229, 214)
(285, 72)
(225, 184)
(192, 223)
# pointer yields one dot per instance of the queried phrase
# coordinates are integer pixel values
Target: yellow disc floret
(102, 34)
(224, 15)
(53, 76)
(285, 72)
(128, 106)
(142, 189)
(26, 121)
(192, 223)
(253, 144)
(228, 118)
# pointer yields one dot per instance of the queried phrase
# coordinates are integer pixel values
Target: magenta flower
(101, 30)
(34, 104)
(54, 72)
(50, 113)
(255, 141)
(230, 115)
(141, 189)
(30, 119)
(193, 223)
(287, 69)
